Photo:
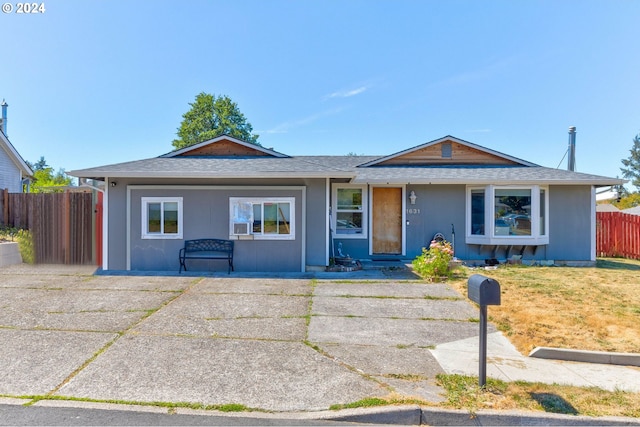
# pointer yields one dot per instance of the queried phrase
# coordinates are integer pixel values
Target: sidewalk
(504, 362)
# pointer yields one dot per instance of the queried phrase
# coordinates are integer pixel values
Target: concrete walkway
(287, 344)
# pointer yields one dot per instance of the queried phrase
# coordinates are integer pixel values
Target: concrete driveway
(275, 344)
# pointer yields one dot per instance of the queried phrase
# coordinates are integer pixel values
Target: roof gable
(448, 151)
(224, 146)
(13, 154)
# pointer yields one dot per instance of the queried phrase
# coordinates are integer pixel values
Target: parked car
(344, 226)
(502, 228)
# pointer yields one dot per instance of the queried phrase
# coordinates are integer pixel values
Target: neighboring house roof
(633, 211)
(606, 207)
(15, 157)
(447, 160)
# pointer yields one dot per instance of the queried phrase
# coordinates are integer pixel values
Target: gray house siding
(316, 222)
(116, 212)
(9, 174)
(438, 207)
(570, 222)
(206, 215)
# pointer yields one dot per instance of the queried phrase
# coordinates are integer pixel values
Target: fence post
(5, 206)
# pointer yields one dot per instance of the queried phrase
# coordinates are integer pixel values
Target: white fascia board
(220, 138)
(481, 182)
(208, 175)
(449, 138)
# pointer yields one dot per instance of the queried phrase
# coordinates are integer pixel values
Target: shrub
(25, 243)
(8, 233)
(433, 264)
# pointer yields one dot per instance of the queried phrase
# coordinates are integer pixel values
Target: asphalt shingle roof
(337, 167)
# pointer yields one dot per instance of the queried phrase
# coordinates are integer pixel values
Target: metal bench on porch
(206, 249)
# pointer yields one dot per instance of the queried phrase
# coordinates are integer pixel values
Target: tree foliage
(631, 169)
(46, 180)
(211, 116)
(628, 201)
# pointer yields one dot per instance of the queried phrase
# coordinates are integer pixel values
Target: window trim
(489, 238)
(262, 200)
(334, 210)
(144, 207)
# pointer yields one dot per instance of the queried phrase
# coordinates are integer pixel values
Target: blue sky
(97, 82)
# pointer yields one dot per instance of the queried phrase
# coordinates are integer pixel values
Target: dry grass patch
(463, 392)
(588, 308)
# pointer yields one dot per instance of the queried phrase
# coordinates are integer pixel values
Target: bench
(206, 249)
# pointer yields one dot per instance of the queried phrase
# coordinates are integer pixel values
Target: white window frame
(334, 211)
(261, 201)
(144, 206)
(489, 238)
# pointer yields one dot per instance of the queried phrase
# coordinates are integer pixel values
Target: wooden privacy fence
(61, 224)
(618, 235)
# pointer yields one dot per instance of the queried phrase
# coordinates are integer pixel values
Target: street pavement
(290, 345)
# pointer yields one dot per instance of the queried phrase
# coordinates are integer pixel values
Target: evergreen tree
(631, 168)
(211, 116)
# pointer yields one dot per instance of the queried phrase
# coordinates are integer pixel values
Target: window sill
(349, 236)
(507, 240)
(162, 236)
(259, 237)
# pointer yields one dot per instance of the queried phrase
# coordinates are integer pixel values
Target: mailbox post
(483, 291)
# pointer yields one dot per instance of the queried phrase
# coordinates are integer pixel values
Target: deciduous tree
(46, 180)
(211, 116)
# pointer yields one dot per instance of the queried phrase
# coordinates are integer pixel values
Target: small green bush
(433, 264)
(8, 233)
(25, 243)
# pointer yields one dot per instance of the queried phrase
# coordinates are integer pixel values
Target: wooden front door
(387, 221)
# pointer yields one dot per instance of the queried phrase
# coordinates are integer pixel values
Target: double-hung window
(262, 217)
(161, 217)
(509, 215)
(349, 218)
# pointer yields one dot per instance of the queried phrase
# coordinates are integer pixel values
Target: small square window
(161, 217)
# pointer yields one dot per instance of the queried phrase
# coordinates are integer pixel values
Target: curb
(517, 418)
(381, 415)
(603, 357)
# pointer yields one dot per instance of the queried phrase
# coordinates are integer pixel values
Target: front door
(387, 221)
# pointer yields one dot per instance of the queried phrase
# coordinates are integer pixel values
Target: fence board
(61, 224)
(618, 235)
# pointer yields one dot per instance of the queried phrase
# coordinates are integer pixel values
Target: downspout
(84, 183)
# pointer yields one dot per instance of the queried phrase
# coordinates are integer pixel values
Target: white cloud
(286, 126)
(346, 93)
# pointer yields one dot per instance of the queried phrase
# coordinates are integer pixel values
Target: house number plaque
(413, 211)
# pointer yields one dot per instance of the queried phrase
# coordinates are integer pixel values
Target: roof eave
(16, 158)
(256, 147)
(423, 181)
(207, 175)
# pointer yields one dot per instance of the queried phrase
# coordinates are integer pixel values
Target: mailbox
(483, 290)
